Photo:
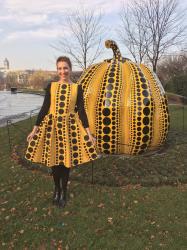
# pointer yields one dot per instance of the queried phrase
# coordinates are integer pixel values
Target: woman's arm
(45, 106)
(43, 111)
(82, 113)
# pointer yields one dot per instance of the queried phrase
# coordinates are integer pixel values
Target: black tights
(60, 172)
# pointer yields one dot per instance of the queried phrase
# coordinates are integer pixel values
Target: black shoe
(62, 200)
(56, 196)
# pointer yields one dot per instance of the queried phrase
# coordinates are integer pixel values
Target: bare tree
(172, 66)
(83, 43)
(150, 27)
(132, 31)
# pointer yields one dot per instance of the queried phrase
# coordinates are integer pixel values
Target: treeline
(172, 72)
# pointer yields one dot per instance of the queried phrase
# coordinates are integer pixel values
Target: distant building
(6, 67)
(21, 78)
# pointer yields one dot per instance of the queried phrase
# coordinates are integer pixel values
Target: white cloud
(48, 6)
(24, 18)
(41, 33)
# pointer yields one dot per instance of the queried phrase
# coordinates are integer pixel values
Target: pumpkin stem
(110, 44)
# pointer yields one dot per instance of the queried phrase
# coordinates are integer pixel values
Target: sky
(28, 28)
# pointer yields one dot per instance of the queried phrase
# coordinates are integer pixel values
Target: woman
(61, 137)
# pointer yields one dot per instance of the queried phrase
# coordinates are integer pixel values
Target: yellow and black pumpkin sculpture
(126, 105)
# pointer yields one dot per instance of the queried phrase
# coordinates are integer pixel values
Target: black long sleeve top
(79, 107)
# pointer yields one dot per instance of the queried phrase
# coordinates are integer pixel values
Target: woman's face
(63, 71)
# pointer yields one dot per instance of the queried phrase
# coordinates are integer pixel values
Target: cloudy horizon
(28, 29)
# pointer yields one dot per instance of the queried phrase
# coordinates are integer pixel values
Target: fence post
(9, 138)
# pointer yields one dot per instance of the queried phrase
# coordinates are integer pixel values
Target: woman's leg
(56, 172)
(64, 175)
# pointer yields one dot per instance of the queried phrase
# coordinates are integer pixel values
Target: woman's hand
(91, 137)
(31, 135)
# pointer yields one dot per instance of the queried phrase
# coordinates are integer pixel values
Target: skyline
(27, 33)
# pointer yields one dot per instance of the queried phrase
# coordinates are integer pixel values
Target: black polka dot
(86, 137)
(146, 111)
(142, 79)
(94, 156)
(145, 93)
(109, 86)
(59, 125)
(61, 157)
(61, 151)
(111, 75)
(64, 86)
(30, 149)
(74, 134)
(75, 155)
(49, 129)
(28, 155)
(106, 146)
(61, 111)
(61, 104)
(75, 148)
(108, 94)
(88, 144)
(146, 120)
(144, 86)
(143, 146)
(32, 143)
(106, 111)
(75, 162)
(35, 137)
(74, 141)
(106, 138)
(91, 150)
(146, 101)
(106, 130)
(146, 130)
(106, 121)
(62, 97)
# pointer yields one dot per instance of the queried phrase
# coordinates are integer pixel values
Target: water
(17, 106)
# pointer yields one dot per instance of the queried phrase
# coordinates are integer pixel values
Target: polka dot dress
(61, 138)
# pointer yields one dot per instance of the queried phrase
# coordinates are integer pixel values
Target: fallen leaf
(13, 209)
(71, 195)
(110, 220)
(101, 205)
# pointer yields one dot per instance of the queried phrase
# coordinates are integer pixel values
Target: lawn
(137, 202)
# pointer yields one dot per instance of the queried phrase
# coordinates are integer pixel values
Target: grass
(134, 203)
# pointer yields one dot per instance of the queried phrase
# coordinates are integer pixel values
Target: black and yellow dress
(62, 138)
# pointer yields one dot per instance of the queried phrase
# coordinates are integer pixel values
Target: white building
(6, 67)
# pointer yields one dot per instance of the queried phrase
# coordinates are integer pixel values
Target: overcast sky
(27, 28)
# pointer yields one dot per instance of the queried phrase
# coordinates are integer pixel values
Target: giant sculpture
(126, 105)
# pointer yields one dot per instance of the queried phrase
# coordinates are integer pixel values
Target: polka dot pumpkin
(126, 105)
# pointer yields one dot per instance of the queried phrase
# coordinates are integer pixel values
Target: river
(17, 106)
